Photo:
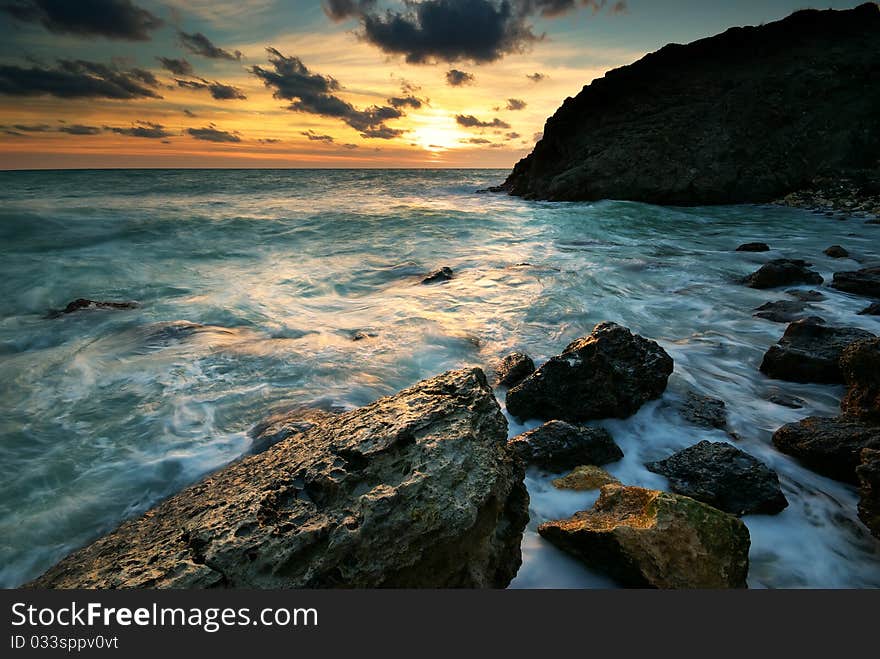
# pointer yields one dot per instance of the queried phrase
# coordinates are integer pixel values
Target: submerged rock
(828, 445)
(869, 489)
(361, 335)
(781, 311)
(810, 352)
(807, 296)
(558, 445)
(651, 539)
(415, 490)
(860, 363)
(724, 477)
(753, 247)
(703, 410)
(610, 373)
(585, 477)
(859, 282)
(438, 276)
(81, 304)
(871, 310)
(782, 272)
(786, 400)
(836, 252)
(513, 369)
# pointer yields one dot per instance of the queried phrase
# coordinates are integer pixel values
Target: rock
(786, 400)
(585, 477)
(558, 445)
(513, 369)
(438, 276)
(745, 116)
(279, 427)
(703, 410)
(828, 445)
(860, 364)
(610, 373)
(810, 352)
(782, 272)
(360, 335)
(415, 490)
(781, 311)
(836, 252)
(724, 477)
(82, 303)
(869, 489)
(646, 538)
(753, 247)
(871, 310)
(807, 296)
(859, 282)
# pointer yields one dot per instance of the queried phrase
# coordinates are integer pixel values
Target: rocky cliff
(749, 115)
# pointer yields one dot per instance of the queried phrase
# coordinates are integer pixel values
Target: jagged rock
(585, 477)
(859, 282)
(871, 310)
(438, 276)
(82, 303)
(558, 445)
(836, 252)
(703, 410)
(807, 296)
(610, 373)
(860, 363)
(753, 247)
(810, 352)
(781, 311)
(869, 489)
(647, 538)
(828, 445)
(782, 272)
(513, 369)
(724, 477)
(415, 490)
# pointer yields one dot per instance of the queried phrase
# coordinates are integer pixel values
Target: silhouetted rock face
(869, 490)
(415, 490)
(860, 364)
(745, 116)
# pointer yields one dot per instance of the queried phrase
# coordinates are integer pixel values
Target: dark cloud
(536, 77)
(199, 44)
(314, 93)
(404, 101)
(33, 128)
(189, 113)
(314, 137)
(179, 67)
(512, 135)
(217, 90)
(476, 140)
(457, 78)
(339, 10)
(470, 121)
(79, 129)
(269, 140)
(537, 137)
(212, 134)
(78, 79)
(114, 19)
(145, 129)
(516, 104)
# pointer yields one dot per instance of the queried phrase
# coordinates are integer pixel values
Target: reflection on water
(254, 283)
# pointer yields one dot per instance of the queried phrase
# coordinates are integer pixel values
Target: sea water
(252, 285)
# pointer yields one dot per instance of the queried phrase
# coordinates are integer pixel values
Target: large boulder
(558, 445)
(651, 539)
(859, 282)
(584, 478)
(869, 489)
(860, 363)
(724, 477)
(782, 272)
(415, 490)
(828, 445)
(513, 369)
(782, 311)
(810, 352)
(610, 373)
(704, 411)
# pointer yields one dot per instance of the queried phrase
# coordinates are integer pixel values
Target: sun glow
(437, 132)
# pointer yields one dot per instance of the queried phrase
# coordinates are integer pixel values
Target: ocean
(253, 284)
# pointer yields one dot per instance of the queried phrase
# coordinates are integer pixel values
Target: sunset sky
(342, 83)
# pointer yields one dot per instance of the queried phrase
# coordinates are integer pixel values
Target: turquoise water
(253, 282)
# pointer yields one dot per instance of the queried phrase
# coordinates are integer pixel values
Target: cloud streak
(198, 44)
(218, 90)
(113, 19)
(78, 79)
(470, 121)
(212, 134)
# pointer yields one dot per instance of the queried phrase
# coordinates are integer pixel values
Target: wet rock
(871, 310)
(647, 538)
(859, 282)
(81, 304)
(438, 276)
(703, 410)
(513, 369)
(869, 489)
(836, 252)
(610, 373)
(782, 272)
(786, 400)
(828, 445)
(281, 426)
(807, 296)
(558, 445)
(781, 311)
(724, 477)
(360, 335)
(753, 247)
(810, 352)
(860, 363)
(426, 472)
(585, 477)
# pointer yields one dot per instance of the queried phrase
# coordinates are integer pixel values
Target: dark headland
(749, 115)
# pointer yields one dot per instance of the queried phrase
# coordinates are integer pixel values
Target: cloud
(537, 137)
(145, 129)
(113, 19)
(189, 113)
(32, 128)
(476, 140)
(470, 121)
(456, 78)
(179, 67)
(79, 129)
(314, 93)
(537, 77)
(512, 135)
(212, 134)
(339, 10)
(218, 90)
(199, 44)
(78, 79)
(404, 101)
(314, 137)
(269, 140)
(516, 104)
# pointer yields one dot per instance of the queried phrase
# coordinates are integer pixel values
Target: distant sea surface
(252, 285)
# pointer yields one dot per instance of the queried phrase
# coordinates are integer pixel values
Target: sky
(311, 83)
